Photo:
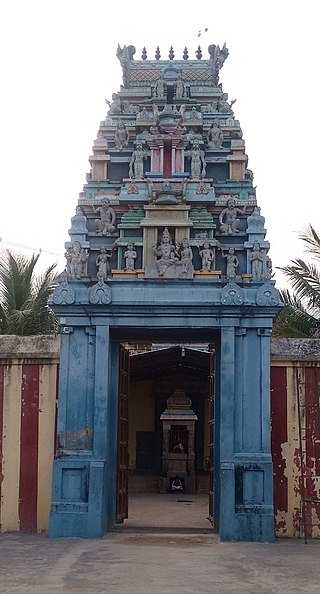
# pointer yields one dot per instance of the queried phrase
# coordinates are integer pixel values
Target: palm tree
(301, 315)
(24, 296)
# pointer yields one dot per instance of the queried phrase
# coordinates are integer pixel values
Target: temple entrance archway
(165, 473)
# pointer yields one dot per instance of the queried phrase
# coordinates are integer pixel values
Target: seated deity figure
(166, 252)
(106, 224)
(102, 263)
(198, 162)
(207, 256)
(121, 138)
(115, 106)
(223, 105)
(228, 218)
(130, 255)
(136, 162)
(215, 135)
(77, 258)
(256, 259)
(232, 263)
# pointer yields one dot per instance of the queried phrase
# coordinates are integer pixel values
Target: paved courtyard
(156, 562)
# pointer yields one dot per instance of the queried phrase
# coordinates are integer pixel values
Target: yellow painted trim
(11, 448)
(47, 401)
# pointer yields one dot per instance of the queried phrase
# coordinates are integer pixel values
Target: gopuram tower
(168, 245)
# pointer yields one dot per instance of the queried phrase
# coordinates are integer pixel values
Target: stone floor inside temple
(180, 511)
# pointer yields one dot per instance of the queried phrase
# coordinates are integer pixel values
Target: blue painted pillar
(246, 507)
(80, 487)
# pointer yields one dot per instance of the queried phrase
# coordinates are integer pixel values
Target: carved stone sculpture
(160, 85)
(166, 252)
(102, 263)
(198, 162)
(185, 254)
(106, 224)
(64, 294)
(195, 114)
(207, 256)
(223, 105)
(116, 105)
(181, 90)
(100, 292)
(228, 218)
(130, 256)
(121, 138)
(136, 162)
(77, 258)
(232, 263)
(232, 294)
(173, 261)
(268, 273)
(215, 135)
(256, 259)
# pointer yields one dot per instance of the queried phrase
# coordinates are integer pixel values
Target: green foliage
(301, 315)
(24, 296)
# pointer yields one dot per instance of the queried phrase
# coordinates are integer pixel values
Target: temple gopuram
(167, 246)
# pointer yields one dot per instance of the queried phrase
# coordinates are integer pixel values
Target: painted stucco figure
(106, 225)
(102, 263)
(215, 135)
(207, 257)
(198, 162)
(121, 138)
(130, 256)
(77, 258)
(228, 220)
(256, 259)
(165, 252)
(232, 263)
(136, 162)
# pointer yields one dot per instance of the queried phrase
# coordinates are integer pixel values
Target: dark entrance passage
(155, 489)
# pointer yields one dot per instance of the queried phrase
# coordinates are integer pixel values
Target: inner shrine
(167, 247)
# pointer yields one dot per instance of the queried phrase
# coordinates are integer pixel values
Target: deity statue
(207, 256)
(181, 90)
(160, 87)
(198, 162)
(232, 263)
(185, 253)
(116, 105)
(77, 258)
(223, 105)
(215, 135)
(130, 255)
(268, 263)
(228, 218)
(121, 137)
(166, 252)
(143, 114)
(256, 259)
(136, 162)
(102, 263)
(106, 224)
(194, 114)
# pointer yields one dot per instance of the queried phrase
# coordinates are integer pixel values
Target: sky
(58, 65)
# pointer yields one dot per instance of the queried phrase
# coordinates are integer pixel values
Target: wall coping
(295, 349)
(31, 347)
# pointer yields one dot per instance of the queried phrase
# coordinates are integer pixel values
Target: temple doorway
(168, 440)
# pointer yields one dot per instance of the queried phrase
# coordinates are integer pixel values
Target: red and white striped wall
(28, 389)
(295, 394)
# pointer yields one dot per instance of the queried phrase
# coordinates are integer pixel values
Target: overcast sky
(59, 65)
